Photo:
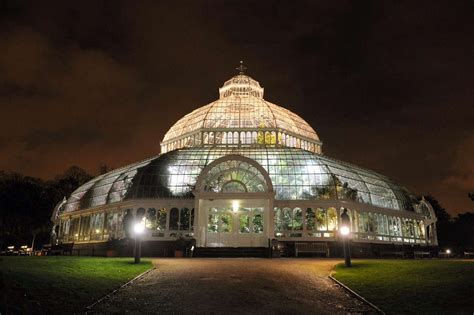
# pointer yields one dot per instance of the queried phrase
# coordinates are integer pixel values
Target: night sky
(387, 85)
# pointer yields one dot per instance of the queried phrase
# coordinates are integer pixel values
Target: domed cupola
(241, 118)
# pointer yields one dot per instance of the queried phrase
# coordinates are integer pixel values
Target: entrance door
(236, 227)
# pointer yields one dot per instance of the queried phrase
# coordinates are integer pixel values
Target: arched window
(332, 219)
(268, 138)
(277, 220)
(140, 213)
(377, 224)
(297, 219)
(234, 176)
(236, 137)
(321, 220)
(150, 222)
(161, 219)
(286, 219)
(310, 219)
(348, 211)
(174, 219)
(184, 219)
(254, 137)
(421, 229)
(224, 138)
(370, 223)
(273, 137)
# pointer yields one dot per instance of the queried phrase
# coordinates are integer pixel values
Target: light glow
(235, 206)
(345, 230)
(139, 228)
(448, 251)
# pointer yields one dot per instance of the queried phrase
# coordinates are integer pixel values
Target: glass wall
(309, 222)
(382, 227)
(323, 222)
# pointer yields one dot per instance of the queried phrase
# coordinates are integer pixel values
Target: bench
(468, 254)
(313, 248)
(400, 254)
(420, 254)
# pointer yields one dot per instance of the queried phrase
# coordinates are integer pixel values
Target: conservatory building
(242, 172)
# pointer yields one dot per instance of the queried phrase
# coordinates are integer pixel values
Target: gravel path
(236, 286)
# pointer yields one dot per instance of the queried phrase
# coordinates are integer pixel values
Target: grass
(61, 284)
(413, 286)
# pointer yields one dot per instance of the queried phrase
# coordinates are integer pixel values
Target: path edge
(356, 295)
(89, 307)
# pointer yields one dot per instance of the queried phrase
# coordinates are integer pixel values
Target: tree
(26, 204)
(463, 231)
(455, 233)
(444, 224)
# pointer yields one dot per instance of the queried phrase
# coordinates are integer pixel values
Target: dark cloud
(42, 138)
(387, 85)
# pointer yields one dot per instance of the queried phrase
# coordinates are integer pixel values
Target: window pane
(310, 219)
(257, 223)
(244, 220)
(174, 219)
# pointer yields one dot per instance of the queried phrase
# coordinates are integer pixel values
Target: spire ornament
(241, 68)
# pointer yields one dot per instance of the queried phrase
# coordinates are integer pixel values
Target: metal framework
(239, 171)
(241, 118)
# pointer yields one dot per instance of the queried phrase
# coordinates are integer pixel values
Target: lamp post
(138, 229)
(345, 232)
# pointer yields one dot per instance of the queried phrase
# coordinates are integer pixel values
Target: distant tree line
(26, 204)
(454, 232)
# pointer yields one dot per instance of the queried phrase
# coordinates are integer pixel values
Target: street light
(345, 232)
(138, 229)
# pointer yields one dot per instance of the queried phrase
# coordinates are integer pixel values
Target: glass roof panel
(295, 174)
(239, 111)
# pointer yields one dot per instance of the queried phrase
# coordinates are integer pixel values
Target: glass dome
(295, 174)
(241, 117)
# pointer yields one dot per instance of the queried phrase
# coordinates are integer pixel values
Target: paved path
(235, 286)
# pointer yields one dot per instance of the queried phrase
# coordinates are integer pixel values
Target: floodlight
(345, 230)
(138, 228)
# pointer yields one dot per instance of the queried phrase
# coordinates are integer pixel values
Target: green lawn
(61, 284)
(413, 286)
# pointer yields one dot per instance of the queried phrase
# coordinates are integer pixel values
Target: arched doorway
(234, 195)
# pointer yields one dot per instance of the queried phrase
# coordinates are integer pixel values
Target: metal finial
(241, 68)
